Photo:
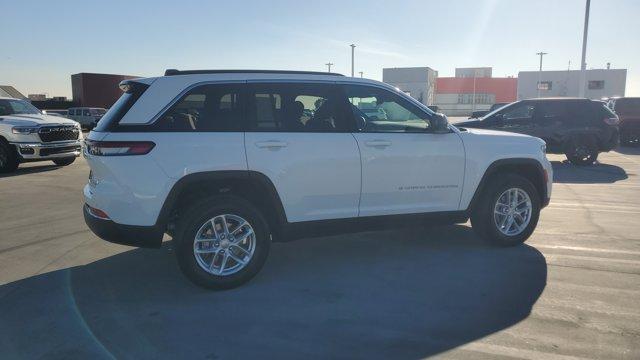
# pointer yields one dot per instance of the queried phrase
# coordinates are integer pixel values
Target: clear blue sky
(44, 42)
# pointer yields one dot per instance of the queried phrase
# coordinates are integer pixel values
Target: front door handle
(271, 144)
(378, 143)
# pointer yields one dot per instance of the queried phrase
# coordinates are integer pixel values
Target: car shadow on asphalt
(599, 173)
(388, 294)
(30, 170)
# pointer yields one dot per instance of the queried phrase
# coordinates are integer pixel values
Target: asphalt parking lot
(572, 292)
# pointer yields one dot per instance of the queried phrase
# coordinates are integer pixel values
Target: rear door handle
(271, 144)
(378, 143)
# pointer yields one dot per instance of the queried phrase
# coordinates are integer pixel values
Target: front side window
(552, 110)
(379, 110)
(520, 111)
(205, 108)
(86, 112)
(297, 108)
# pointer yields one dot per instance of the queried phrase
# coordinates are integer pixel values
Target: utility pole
(329, 66)
(541, 54)
(583, 64)
(360, 72)
(353, 47)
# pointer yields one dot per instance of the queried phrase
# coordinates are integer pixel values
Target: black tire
(482, 217)
(64, 161)
(581, 151)
(8, 157)
(196, 216)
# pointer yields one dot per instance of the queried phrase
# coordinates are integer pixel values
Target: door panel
(406, 168)
(413, 173)
(301, 139)
(317, 175)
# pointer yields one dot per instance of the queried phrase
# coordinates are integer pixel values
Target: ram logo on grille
(58, 133)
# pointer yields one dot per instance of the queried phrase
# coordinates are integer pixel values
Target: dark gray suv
(578, 128)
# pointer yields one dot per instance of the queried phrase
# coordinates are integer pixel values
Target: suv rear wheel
(581, 151)
(508, 211)
(221, 242)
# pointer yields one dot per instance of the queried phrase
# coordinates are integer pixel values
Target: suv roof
(171, 72)
(558, 99)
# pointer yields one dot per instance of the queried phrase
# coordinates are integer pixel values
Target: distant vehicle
(376, 113)
(480, 113)
(26, 134)
(579, 128)
(628, 110)
(87, 116)
(62, 113)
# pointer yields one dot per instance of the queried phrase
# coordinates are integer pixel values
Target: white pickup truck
(26, 134)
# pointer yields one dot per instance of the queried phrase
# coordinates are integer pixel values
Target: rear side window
(297, 107)
(117, 111)
(214, 107)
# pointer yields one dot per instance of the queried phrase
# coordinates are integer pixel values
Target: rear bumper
(139, 236)
(613, 142)
(48, 151)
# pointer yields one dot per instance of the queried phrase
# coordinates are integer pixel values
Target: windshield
(13, 106)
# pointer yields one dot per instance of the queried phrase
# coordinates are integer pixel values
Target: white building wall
(450, 104)
(419, 82)
(567, 83)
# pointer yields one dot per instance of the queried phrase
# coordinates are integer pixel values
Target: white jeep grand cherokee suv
(26, 134)
(227, 161)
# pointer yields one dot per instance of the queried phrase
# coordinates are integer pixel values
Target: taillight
(118, 148)
(612, 120)
(97, 213)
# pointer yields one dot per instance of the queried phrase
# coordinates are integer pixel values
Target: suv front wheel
(508, 211)
(221, 242)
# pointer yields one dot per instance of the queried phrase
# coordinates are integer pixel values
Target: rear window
(112, 117)
(627, 106)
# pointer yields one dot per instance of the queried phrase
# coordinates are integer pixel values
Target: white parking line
(588, 249)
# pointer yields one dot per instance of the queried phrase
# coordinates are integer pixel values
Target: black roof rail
(171, 72)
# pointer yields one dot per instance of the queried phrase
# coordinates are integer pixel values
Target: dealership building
(600, 83)
(96, 90)
(463, 94)
(418, 82)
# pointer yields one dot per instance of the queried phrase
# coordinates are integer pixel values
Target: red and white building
(460, 96)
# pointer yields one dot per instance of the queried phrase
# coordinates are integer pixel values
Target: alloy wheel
(224, 244)
(512, 211)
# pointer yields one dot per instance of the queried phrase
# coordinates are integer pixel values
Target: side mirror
(439, 124)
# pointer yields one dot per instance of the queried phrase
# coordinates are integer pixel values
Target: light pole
(353, 47)
(541, 54)
(329, 66)
(583, 64)
(360, 72)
